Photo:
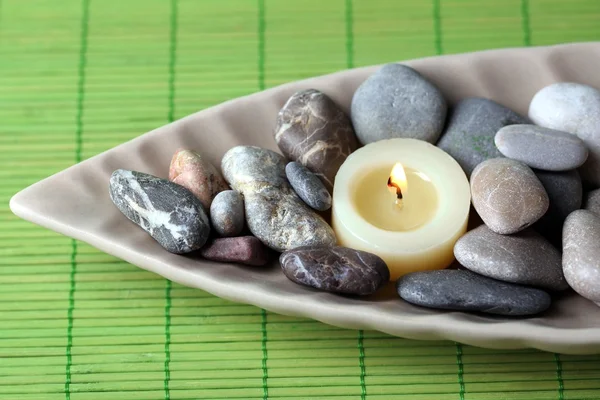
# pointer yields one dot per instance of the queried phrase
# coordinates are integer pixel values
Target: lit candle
(404, 200)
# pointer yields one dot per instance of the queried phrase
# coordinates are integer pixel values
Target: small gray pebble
(170, 213)
(274, 212)
(227, 213)
(308, 186)
(592, 201)
(581, 253)
(525, 258)
(507, 195)
(573, 108)
(466, 291)
(314, 131)
(335, 269)
(469, 137)
(565, 192)
(541, 148)
(398, 102)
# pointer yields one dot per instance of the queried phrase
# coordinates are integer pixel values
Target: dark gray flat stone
(565, 193)
(469, 135)
(466, 291)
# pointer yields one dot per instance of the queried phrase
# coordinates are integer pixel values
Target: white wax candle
(421, 233)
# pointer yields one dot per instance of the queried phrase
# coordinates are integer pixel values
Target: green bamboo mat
(79, 77)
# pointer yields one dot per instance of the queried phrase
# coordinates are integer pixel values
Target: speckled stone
(227, 213)
(190, 170)
(466, 291)
(170, 213)
(469, 137)
(308, 186)
(592, 201)
(573, 108)
(525, 258)
(398, 102)
(507, 195)
(565, 192)
(314, 131)
(541, 148)
(274, 213)
(581, 253)
(335, 269)
(246, 250)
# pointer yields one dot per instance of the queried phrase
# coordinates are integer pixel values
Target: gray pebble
(565, 193)
(541, 148)
(573, 108)
(507, 195)
(469, 137)
(525, 258)
(592, 201)
(274, 213)
(227, 213)
(314, 131)
(466, 291)
(170, 213)
(308, 186)
(335, 269)
(398, 102)
(581, 253)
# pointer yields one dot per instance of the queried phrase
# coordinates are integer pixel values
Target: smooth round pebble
(507, 195)
(194, 172)
(466, 291)
(314, 131)
(246, 250)
(541, 148)
(573, 108)
(308, 186)
(274, 212)
(565, 193)
(227, 213)
(398, 102)
(335, 269)
(592, 201)
(170, 213)
(525, 258)
(581, 253)
(469, 137)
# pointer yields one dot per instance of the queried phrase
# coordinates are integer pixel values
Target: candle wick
(394, 188)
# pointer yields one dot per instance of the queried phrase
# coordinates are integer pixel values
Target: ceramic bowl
(75, 202)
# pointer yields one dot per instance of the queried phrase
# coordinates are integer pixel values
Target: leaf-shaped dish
(75, 202)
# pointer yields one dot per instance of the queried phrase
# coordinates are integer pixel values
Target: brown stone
(242, 250)
(314, 131)
(190, 170)
(507, 195)
(335, 269)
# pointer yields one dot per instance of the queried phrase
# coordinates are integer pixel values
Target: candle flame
(397, 183)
